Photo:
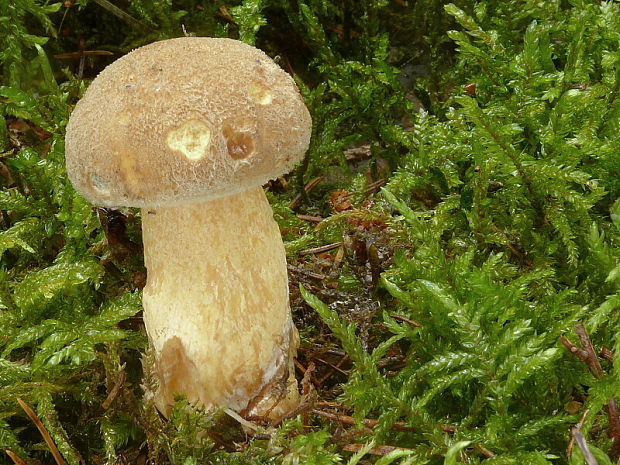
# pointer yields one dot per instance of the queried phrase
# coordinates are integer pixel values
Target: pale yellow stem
(216, 305)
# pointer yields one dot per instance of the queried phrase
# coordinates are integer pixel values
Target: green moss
(492, 128)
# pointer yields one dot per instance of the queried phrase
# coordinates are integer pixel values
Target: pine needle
(46, 436)
(14, 457)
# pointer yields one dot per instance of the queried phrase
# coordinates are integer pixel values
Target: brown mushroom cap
(185, 120)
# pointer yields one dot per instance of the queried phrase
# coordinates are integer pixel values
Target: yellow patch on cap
(259, 93)
(191, 139)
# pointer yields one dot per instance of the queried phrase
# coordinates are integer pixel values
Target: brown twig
(368, 422)
(306, 382)
(302, 408)
(614, 426)
(321, 249)
(299, 366)
(120, 381)
(607, 354)
(588, 355)
(396, 316)
(571, 444)
(378, 450)
(592, 361)
(332, 369)
(310, 218)
(46, 436)
(122, 15)
(308, 392)
(583, 446)
(373, 187)
(307, 188)
(573, 349)
(348, 420)
(72, 55)
(327, 404)
(484, 451)
(14, 457)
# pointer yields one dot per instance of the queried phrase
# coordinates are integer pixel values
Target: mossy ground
(452, 235)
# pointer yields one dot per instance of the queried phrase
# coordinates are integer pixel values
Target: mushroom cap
(185, 120)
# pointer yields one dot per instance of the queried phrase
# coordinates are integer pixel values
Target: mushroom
(189, 129)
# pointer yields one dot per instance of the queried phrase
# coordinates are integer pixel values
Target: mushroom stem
(216, 305)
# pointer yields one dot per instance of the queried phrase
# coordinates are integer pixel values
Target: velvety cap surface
(185, 120)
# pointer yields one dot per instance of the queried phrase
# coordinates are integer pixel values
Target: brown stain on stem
(177, 373)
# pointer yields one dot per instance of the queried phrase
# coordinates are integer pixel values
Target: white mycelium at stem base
(216, 304)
